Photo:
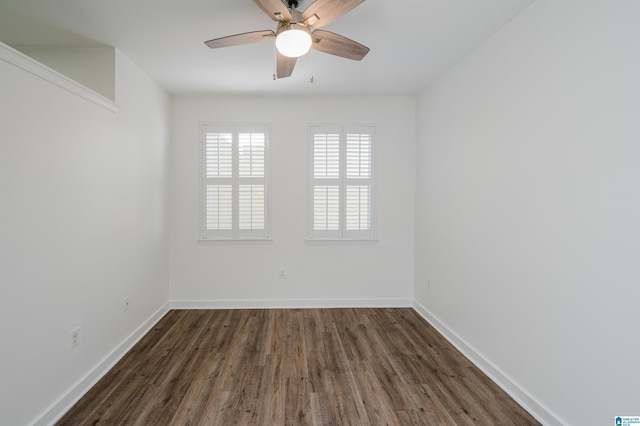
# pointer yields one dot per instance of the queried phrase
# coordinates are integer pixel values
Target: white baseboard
(82, 386)
(522, 397)
(290, 303)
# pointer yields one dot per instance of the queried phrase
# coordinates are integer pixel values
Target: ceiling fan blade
(323, 12)
(272, 8)
(284, 66)
(237, 39)
(335, 44)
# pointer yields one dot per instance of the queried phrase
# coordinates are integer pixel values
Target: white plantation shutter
(326, 208)
(342, 191)
(358, 182)
(218, 207)
(251, 162)
(251, 207)
(218, 155)
(251, 149)
(358, 208)
(326, 188)
(326, 155)
(235, 195)
(359, 155)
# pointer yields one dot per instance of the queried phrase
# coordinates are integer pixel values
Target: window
(235, 203)
(342, 183)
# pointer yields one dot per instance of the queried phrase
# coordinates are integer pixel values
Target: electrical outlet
(283, 274)
(126, 303)
(75, 337)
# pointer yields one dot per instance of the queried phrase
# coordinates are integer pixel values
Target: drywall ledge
(20, 60)
(537, 410)
(77, 391)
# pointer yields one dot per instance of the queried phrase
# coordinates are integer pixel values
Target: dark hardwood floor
(295, 367)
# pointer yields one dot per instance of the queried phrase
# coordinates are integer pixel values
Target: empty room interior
(462, 170)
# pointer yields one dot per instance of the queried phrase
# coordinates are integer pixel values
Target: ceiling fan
(297, 32)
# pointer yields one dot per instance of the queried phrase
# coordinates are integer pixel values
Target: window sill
(236, 242)
(340, 242)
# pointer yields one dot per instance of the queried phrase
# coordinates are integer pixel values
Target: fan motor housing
(286, 26)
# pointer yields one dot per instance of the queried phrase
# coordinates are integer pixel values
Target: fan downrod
(292, 4)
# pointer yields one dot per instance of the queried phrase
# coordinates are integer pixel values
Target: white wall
(93, 67)
(380, 274)
(82, 226)
(528, 206)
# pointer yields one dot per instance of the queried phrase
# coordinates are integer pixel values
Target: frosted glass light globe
(293, 42)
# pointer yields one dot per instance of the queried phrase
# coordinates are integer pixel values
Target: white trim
(82, 386)
(22, 61)
(290, 303)
(521, 396)
(339, 242)
(236, 242)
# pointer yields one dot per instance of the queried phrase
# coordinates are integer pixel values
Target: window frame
(235, 235)
(342, 235)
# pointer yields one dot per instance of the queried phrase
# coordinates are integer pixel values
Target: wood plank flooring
(295, 367)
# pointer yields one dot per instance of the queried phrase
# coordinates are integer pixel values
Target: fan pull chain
(275, 61)
(311, 79)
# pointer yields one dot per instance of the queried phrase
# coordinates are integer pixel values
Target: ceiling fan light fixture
(298, 31)
(293, 41)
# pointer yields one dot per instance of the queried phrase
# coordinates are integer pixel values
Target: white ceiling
(412, 41)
